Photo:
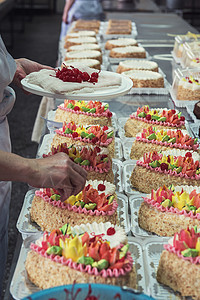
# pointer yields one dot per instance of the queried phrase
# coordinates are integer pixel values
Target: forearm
(15, 168)
(68, 5)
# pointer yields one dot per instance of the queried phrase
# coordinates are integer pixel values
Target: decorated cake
(128, 51)
(95, 203)
(93, 159)
(120, 42)
(196, 110)
(72, 134)
(195, 62)
(84, 112)
(189, 88)
(82, 63)
(160, 117)
(130, 64)
(80, 40)
(168, 210)
(95, 253)
(70, 80)
(85, 54)
(179, 263)
(84, 47)
(151, 139)
(145, 79)
(177, 167)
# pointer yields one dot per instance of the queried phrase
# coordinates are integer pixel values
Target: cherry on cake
(84, 112)
(95, 253)
(85, 54)
(145, 79)
(177, 167)
(80, 40)
(128, 52)
(127, 65)
(189, 88)
(179, 266)
(160, 117)
(120, 42)
(150, 139)
(170, 209)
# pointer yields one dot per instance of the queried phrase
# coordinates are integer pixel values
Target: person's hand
(25, 67)
(65, 16)
(60, 172)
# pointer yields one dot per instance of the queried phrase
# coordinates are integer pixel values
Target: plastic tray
(195, 129)
(126, 146)
(128, 167)
(48, 138)
(116, 36)
(21, 286)
(190, 108)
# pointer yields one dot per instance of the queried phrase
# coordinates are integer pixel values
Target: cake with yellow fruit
(150, 139)
(189, 88)
(72, 133)
(168, 210)
(95, 203)
(179, 266)
(160, 117)
(84, 112)
(155, 169)
(95, 160)
(94, 253)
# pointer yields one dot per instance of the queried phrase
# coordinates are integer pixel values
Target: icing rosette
(186, 245)
(87, 251)
(91, 158)
(174, 162)
(90, 108)
(180, 200)
(94, 134)
(95, 199)
(168, 137)
(158, 116)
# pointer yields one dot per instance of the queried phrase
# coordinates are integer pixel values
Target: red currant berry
(98, 149)
(95, 75)
(74, 134)
(101, 187)
(109, 114)
(148, 117)
(173, 111)
(76, 108)
(188, 154)
(111, 231)
(95, 140)
(182, 118)
(164, 166)
(105, 128)
(85, 76)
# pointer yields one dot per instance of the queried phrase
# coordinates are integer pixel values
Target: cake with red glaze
(72, 134)
(170, 209)
(177, 167)
(84, 112)
(160, 117)
(97, 202)
(189, 88)
(151, 139)
(95, 160)
(179, 265)
(95, 253)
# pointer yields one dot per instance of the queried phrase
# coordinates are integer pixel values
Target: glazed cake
(179, 263)
(83, 33)
(74, 134)
(127, 65)
(151, 139)
(84, 47)
(95, 253)
(162, 118)
(145, 79)
(85, 54)
(121, 42)
(80, 40)
(196, 110)
(97, 202)
(188, 88)
(177, 167)
(83, 63)
(84, 112)
(128, 51)
(168, 210)
(93, 159)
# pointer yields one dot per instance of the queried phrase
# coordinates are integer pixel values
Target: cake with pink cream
(179, 265)
(151, 139)
(97, 202)
(95, 253)
(189, 88)
(177, 167)
(84, 112)
(170, 209)
(145, 116)
(72, 133)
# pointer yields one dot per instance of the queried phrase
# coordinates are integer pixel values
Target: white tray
(150, 91)
(21, 286)
(48, 138)
(128, 167)
(101, 94)
(181, 103)
(116, 36)
(190, 108)
(126, 146)
(195, 129)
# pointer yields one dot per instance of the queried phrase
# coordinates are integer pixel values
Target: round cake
(76, 63)
(80, 40)
(196, 110)
(127, 65)
(145, 79)
(85, 54)
(121, 42)
(129, 51)
(84, 47)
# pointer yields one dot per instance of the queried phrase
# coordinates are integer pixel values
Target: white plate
(101, 94)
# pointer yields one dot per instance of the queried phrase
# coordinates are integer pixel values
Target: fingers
(77, 181)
